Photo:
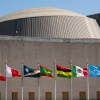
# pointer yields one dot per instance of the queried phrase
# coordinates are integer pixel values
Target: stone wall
(47, 52)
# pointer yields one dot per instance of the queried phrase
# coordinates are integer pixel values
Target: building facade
(48, 23)
(49, 34)
(96, 17)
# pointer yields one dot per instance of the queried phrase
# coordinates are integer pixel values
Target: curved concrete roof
(36, 12)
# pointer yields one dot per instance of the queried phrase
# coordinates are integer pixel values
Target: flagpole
(38, 81)
(22, 79)
(87, 79)
(71, 81)
(55, 76)
(5, 81)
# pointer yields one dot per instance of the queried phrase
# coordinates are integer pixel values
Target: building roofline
(56, 40)
(36, 12)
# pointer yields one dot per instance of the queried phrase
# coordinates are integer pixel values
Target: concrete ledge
(91, 41)
(76, 41)
(59, 40)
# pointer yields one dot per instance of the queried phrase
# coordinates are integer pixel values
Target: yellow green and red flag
(45, 71)
(63, 72)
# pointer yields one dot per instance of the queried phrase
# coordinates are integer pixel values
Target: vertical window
(65, 96)
(31, 96)
(14, 95)
(98, 95)
(82, 95)
(48, 96)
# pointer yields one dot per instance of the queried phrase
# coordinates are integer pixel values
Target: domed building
(48, 23)
(49, 34)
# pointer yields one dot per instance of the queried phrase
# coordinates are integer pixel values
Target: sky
(84, 7)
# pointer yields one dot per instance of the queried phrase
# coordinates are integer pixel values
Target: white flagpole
(5, 81)
(22, 79)
(71, 81)
(55, 76)
(87, 79)
(38, 81)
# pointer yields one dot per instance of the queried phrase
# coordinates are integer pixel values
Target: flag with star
(94, 71)
(45, 71)
(29, 72)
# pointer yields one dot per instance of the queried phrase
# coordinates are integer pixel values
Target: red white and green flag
(79, 72)
(45, 71)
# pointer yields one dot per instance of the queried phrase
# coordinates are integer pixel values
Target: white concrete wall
(46, 52)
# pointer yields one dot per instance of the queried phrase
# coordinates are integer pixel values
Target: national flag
(12, 72)
(29, 72)
(94, 71)
(79, 72)
(46, 72)
(2, 78)
(63, 72)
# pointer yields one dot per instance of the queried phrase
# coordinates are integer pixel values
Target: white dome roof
(36, 12)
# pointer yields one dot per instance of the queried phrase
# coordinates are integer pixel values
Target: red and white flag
(11, 72)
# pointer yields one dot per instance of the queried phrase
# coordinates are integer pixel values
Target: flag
(79, 72)
(11, 72)
(29, 72)
(2, 78)
(46, 72)
(94, 71)
(63, 72)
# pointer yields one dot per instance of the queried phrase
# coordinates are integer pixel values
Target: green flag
(46, 72)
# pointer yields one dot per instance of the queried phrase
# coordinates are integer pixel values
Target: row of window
(65, 96)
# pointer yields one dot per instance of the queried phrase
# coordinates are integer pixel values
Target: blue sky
(84, 7)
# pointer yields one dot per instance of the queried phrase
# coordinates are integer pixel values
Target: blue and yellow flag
(94, 71)
(63, 72)
(29, 72)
